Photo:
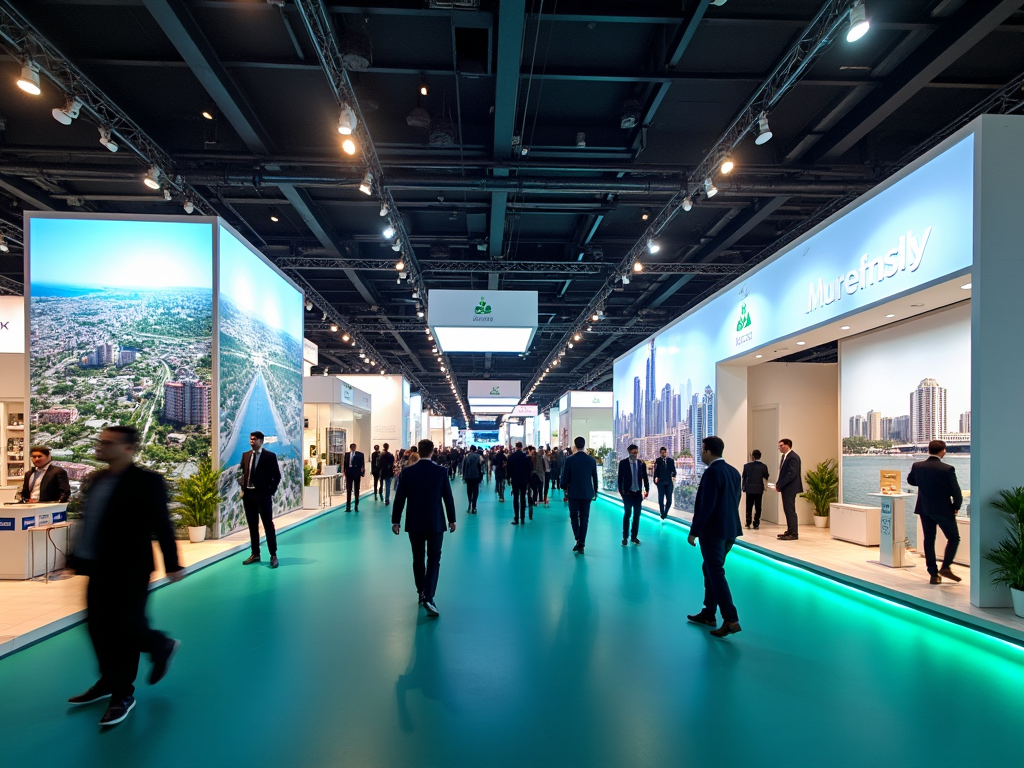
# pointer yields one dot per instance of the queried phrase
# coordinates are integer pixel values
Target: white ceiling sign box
(524, 410)
(580, 399)
(483, 321)
(487, 396)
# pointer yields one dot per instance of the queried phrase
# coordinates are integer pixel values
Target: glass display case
(12, 438)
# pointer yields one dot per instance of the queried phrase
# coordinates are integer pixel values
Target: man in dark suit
(259, 480)
(634, 487)
(499, 461)
(355, 471)
(519, 469)
(386, 468)
(375, 471)
(425, 485)
(938, 500)
(789, 485)
(47, 482)
(579, 482)
(754, 476)
(664, 481)
(125, 506)
(716, 524)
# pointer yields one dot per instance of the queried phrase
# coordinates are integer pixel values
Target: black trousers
(425, 572)
(535, 490)
(519, 502)
(352, 486)
(473, 491)
(579, 517)
(789, 508)
(952, 534)
(631, 503)
(499, 486)
(754, 505)
(119, 630)
(665, 491)
(717, 594)
(378, 484)
(260, 508)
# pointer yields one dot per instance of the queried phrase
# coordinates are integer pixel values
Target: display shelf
(12, 438)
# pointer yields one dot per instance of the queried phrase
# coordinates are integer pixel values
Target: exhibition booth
(389, 413)
(335, 414)
(12, 396)
(906, 295)
(587, 415)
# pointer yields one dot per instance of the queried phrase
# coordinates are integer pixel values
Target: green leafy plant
(822, 487)
(199, 497)
(308, 470)
(1008, 557)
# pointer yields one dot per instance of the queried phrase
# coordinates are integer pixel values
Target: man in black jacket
(519, 470)
(426, 487)
(633, 488)
(125, 506)
(579, 481)
(355, 470)
(938, 500)
(47, 482)
(755, 474)
(259, 479)
(378, 488)
(386, 468)
(499, 461)
(664, 481)
(789, 485)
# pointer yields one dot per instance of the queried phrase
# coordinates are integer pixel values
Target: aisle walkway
(540, 658)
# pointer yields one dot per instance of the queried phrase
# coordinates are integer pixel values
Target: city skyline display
(121, 314)
(260, 373)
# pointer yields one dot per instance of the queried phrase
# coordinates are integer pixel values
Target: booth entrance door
(765, 438)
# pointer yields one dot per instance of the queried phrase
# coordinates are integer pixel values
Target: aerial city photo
(115, 344)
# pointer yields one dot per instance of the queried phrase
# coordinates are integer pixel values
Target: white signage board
(490, 388)
(524, 410)
(310, 352)
(482, 321)
(578, 399)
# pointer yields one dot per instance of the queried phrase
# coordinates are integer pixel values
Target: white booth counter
(856, 523)
(28, 550)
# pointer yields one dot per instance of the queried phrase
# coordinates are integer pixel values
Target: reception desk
(15, 539)
(856, 523)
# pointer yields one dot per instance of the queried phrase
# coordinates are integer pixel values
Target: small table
(326, 489)
(46, 550)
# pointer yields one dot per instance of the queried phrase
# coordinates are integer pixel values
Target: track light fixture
(366, 185)
(348, 147)
(345, 337)
(764, 133)
(577, 336)
(653, 247)
(595, 317)
(645, 214)
(309, 305)
(167, 194)
(347, 120)
(206, 113)
(638, 267)
(188, 205)
(423, 88)
(274, 218)
(106, 140)
(389, 232)
(396, 246)
(419, 313)
(400, 266)
(384, 209)
(859, 23)
(152, 179)
(68, 113)
(709, 188)
(727, 165)
(625, 279)
(4, 247)
(687, 204)
(29, 80)
(334, 327)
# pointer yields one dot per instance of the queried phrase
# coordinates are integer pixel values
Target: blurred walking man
(579, 482)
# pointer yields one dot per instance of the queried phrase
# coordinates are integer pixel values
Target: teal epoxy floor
(539, 658)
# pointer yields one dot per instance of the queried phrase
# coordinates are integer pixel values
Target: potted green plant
(1008, 557)
(199, 498)
(310, 493)
(822, 490)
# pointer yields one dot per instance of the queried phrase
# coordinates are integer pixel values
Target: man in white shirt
(46, 483)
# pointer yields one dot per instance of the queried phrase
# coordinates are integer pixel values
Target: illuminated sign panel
(482, 321)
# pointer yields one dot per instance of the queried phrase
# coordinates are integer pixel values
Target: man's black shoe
(635, 540)
(727, 628)
(576, 547)
(515, 522)
(788, 537)
(273, 561)
(625, 541)
(118, 710)
(747, 525)
(935, 579)
(251, 559)
(94, 694)
(664, 515)
(431, 608)
(757, 526)
(348, 509)
(702, 618)
(162, 660)
(580, 550)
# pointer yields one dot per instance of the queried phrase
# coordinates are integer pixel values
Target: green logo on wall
(744, 321)
(495, 391)
(483, 308)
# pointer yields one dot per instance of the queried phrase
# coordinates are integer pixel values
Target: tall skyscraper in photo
(927, 411)
(650, 392)
(187, 402)
(874, 425)
(638, 409)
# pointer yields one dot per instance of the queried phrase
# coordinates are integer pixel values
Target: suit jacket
(626, 477)
(519, 468)
(664, 470)
(267, 476)
(375, 462)
(135, 513)
(754, 475)
(579, 476)
(426, 488)
(938, 490)
(716, 508)
(499, 462)
(355, 464)
(386, 464)
(53, 486)
(790, 480)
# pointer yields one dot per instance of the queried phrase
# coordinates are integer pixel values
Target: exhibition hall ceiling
(551, 137)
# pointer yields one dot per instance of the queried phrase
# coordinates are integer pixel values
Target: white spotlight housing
(859, 23)
(29, 80)
(366, 185)
(687, 204)
(653, 247)
(625, 280)
(152, 179)
(709, 188)
(66, 115)
(764, 133)
(4, 247)
(384, 209)
(347, 120)
(389, 232)
(106, 140)
(188, 205)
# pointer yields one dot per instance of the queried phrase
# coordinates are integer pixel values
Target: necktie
(35, 477)
(252, 467)
(635, 486)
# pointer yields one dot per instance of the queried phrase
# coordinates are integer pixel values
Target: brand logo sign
(905, 257)
(495, 390)
(59, 517)
(27, 522)
(482, 310)
(6, 523)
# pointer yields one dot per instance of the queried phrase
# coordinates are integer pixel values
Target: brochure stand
(892, 549)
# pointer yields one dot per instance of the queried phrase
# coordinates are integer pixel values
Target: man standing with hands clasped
(716, 523)
(425, 485)
(789, 485)
(632, 476)
(260, 477)
(938, 500)
(579, 482)
(355, 470)
(664, 481)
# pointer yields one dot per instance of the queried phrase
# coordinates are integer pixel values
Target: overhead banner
(590, 399)
(482, 321)
(489, 388)
(524, 410)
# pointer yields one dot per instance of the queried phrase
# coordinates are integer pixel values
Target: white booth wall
(329, 402)
(390, 412)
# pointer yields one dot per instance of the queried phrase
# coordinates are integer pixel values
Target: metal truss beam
(516, 267)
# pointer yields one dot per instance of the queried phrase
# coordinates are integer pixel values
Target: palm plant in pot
(822, 490)
(199, 498)
(1008, 557)
(310, 494)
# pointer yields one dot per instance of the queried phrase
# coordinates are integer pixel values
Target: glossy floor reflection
(540, 658)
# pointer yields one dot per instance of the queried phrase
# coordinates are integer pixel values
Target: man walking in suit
(499, 461)
(664, 481)
(755, 474)
(472, 473)
(426, 487)
(386, 470)
(716, 524)
(260, 477)
(938, 500)
(378, 487)
(519, 470)
(789, 485)
(355, 471)
(634, 487)
(125, 506)
(579, 482)
(46, 482)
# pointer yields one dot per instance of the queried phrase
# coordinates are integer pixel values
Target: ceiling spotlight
(346, 120)
(419, 313)
(345, 337)
(106, 140)
(400, 266)
(581, 140)
(334, 328)
(758, 356)
(595, 317)
(188, 205)
(325, 370)
(709, 188)
(152, 179)
(801, 343)
(764, 133)
(859, 23)
(889, 316)
(4, 247)
(653, 247)
(309, 305)
(389, 232)
(366, 185)
(66, 114)
(524, 151)
(844, 328)
(423, 88)
(625, 279)
(384, 210)
(207, 114)
(645, 214)
(687, 204)
(323, 319)
(348, 147)
(727, 165)
(396, 246)
(638, 267)
(577, 337)
(29, 80)
(274, 218)
(965, 287)
(167, 194)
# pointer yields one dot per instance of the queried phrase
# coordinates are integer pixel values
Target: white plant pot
(196, 533)
(1018, 601)
(820, 522)
(311, 496)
